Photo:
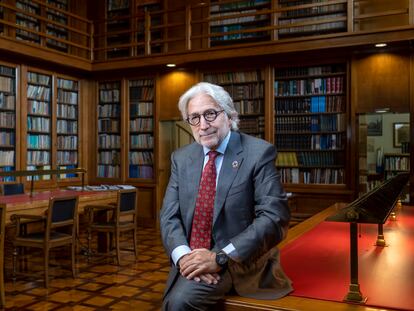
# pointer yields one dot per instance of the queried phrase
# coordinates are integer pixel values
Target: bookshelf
(28, 21)
(142, 8)
(55, 30)
(141, 128)
(235, 19)
(7, 121)
(310, 124)
(395, 163)
(39, 123)
(67, 128)
(247, 90)
(109, 130)
(118, 28)
(301, 20)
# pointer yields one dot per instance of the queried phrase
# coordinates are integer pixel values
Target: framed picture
(374, 127)
(401, 133)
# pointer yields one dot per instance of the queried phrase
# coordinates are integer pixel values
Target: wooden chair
(117, 218)
(2, 236)
(60, 222)
(13, 188)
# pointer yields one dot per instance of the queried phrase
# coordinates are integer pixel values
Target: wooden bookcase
(235, 18)
(395, 163)
(67, 125)
(8, 120)
(53, 29)
(109, 130)
(300, 20)
(310, 124)
(28, 21)
(39, 123)
(118, 28)
(247, 90)
(141, 128)
(141, 9)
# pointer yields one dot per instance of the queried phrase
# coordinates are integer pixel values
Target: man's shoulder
(253, 142)
(187, 150)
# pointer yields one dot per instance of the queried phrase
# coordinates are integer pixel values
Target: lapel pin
(235, 164)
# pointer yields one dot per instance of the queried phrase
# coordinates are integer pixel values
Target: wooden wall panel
(381, 81)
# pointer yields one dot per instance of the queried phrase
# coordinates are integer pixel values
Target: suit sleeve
(270, 211)
(172, 229)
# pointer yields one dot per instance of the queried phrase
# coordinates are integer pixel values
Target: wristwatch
(222, 259)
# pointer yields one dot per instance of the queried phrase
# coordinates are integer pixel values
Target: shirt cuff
(179, 252)
(231, 251)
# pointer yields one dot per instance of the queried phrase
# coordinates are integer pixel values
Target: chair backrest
(10, 189)
(127, 203)
(2, 228)
(63, 211)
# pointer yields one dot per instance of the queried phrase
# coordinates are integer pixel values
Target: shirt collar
(222, 147)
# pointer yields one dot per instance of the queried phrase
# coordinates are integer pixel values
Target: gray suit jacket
(250, 211)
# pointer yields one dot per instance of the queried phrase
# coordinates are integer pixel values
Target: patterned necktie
(203, 213)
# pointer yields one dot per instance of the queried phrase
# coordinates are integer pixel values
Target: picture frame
(374, 126)
(401, 133)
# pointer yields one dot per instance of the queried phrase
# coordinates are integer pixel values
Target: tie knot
(212, 155)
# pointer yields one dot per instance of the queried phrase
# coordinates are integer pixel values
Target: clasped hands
(200, 265)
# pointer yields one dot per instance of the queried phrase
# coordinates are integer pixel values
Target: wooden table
(39, 202)
(292, 303)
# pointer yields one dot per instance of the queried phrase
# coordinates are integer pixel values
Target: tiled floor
(99, 285)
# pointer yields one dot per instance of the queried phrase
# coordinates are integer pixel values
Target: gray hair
(219, 95)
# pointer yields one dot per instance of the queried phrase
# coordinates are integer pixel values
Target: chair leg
(15, 254)
(73, 260)
(135, 243)
(89, 244)
(118, 249)
(2, 295)
(46, 260)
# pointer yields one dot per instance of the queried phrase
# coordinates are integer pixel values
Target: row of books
(312, 123)
(108, 171)
(237, 5)
(317, 28)
(141, 157)
(67, 142)
(38, 92)
(109, 110)
(316, 10)
(236, 23)
(67, 111)
(7, 139)
(67, 84)
(38, 141)
(234, 77)
(141, 125)
(65, 97)
(141, 82)
(109, 125)
(109, 157)
(7, 85)
(141, 93)
(7, 158)
(245, 91)
(7, 119)
(38, 107)
(7, 168)
(39, 124)
(7, 101)
(36, 78)
(397, 163)
(263, 35)
(38, 157)
(331, 103)
(67, 127)
(109, 141)
(142, 141)
(137, 109)
(309, 71)
(36, 167)
(312, 176)
(252, 126)
(140, 171)
(309, 86)
(7, 71)
(249, 106)
(287, 159)
(109, 96)
(67, 158)
(312, 142)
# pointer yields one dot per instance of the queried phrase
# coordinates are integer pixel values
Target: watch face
(221, 259)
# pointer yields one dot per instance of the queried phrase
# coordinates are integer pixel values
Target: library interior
(88, 109)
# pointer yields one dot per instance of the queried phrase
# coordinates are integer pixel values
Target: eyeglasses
(209, 115)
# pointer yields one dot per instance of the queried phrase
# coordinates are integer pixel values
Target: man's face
(209, 134)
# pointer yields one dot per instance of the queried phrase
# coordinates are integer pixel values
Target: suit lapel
(193, 174)
(233, 158)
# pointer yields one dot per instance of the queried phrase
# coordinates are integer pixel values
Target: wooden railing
(197, 27)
